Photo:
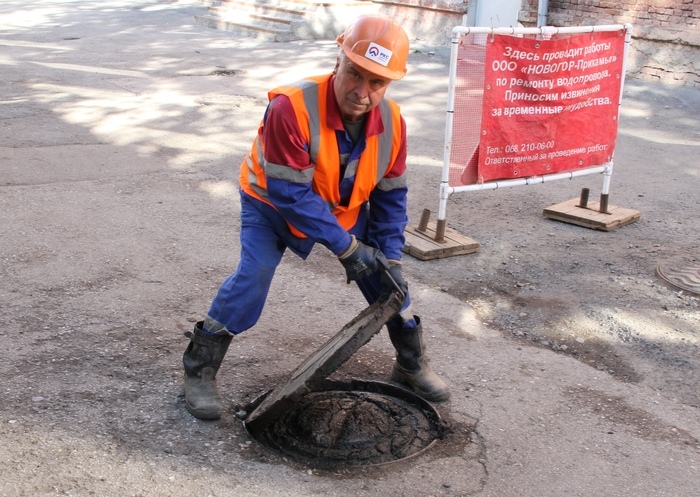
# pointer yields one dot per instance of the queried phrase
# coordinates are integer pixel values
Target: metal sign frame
(545, 31)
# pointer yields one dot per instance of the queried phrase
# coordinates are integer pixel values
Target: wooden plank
(422, 244)
(590, 217)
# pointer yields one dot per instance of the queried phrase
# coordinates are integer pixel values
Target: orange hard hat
(377, 44)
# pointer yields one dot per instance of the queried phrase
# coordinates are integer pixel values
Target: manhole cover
(685, 276)
(322, 363)
(355, 424)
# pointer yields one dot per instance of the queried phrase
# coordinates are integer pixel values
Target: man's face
(357, 91)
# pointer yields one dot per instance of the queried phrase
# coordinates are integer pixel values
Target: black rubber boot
(202, 360)
(412, 367)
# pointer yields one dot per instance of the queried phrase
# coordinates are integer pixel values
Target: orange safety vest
(308, 98)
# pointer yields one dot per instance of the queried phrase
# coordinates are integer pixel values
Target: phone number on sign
(530, 147)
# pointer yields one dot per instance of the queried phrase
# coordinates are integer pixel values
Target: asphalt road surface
(574, 368)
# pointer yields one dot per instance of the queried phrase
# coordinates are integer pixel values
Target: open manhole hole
(333, 425)
(359, 425)
(345, 425)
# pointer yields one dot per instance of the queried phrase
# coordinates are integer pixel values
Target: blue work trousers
(264, 237)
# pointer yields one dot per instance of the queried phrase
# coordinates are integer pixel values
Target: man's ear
(337, 65)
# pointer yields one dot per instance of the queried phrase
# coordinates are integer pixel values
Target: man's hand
(360, 260)
(395, 272)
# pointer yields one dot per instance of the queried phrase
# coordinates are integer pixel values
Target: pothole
(357, 424)
(226, 72)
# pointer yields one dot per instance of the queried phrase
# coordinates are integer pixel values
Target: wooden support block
(422, 244)
(589, 217)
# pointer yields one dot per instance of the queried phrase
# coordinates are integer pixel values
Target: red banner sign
(549, 105)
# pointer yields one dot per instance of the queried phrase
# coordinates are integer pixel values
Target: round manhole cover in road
(684, 275)
(365, 424)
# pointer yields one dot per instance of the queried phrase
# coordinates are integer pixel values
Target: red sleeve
(284, 143)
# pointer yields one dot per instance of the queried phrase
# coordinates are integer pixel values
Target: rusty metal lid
(322, 363)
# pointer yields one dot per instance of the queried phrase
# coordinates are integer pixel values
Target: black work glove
(361, 260)
(395, 272)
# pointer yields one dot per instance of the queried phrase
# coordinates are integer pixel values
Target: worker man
(328, 166)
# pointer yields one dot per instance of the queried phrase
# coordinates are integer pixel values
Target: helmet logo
(378, 54)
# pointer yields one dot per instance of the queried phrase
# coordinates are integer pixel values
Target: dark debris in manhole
(342, 429)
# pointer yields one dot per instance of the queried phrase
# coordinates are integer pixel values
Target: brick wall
(666, 33)
(677, 13)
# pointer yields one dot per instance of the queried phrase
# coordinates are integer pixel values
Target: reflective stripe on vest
(308, 98)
